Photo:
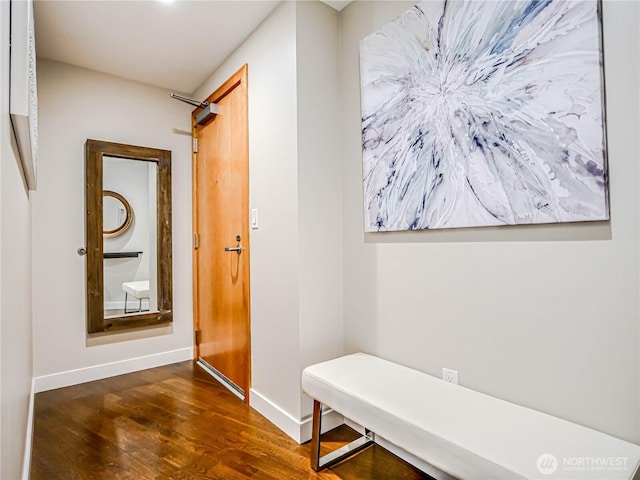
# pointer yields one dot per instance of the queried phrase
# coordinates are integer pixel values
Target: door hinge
(197, 337)
(196, 241)
(195, 145)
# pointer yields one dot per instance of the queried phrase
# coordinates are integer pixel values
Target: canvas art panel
(23, 100)
(479, 113)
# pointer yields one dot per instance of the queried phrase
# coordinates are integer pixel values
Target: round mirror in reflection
(117, 214)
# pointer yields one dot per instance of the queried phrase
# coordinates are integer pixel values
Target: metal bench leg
(125, 301)
(315, 435)
(318, 462)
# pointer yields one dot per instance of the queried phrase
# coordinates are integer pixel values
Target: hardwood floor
(176, 422)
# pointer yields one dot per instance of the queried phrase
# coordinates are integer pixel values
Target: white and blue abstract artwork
(478, 113)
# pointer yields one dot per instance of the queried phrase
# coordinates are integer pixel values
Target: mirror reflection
(130, 263)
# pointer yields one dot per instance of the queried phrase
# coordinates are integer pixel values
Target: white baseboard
(106, 370)
(299, 430)
(28, 439)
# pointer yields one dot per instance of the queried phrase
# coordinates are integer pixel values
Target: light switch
(254, 218)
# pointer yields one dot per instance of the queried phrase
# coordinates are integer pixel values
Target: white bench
(459, 431)
(139, 290)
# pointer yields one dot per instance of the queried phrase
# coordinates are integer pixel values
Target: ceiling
(175, 45)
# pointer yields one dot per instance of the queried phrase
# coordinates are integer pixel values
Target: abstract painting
(478, 113)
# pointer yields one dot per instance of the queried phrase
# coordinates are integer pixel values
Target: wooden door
(221, 216)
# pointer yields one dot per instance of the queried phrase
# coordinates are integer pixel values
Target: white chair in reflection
(139, 290)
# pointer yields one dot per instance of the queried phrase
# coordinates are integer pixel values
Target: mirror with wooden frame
(128, 236)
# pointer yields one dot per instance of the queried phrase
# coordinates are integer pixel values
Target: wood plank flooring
(176, 422)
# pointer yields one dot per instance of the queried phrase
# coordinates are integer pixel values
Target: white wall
(294, 177)
(15, 283)
(76, 104)
(319, 186)
(544, 316)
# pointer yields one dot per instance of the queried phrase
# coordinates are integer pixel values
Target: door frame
(238, 80)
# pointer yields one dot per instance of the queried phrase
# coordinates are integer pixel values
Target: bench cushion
(137, 289)
(460, 431)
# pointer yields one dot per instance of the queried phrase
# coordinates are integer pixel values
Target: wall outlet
(449, 375)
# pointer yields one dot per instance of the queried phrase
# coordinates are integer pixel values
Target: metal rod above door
(209, 110)
(188, 100)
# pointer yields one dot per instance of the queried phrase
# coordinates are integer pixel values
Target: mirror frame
(95, 150)
(120, 229)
